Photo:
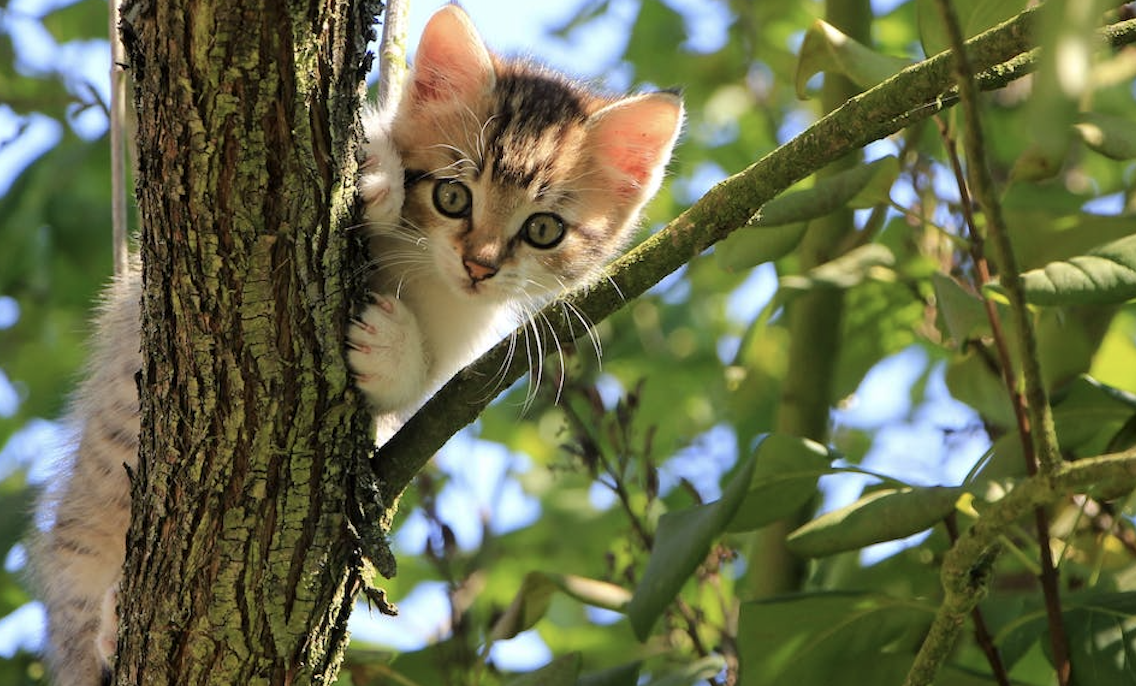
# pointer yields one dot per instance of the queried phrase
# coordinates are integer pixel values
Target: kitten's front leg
(385, 352)
(381, 177)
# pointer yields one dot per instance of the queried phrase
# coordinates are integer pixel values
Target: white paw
(381, 178)
(384, 351)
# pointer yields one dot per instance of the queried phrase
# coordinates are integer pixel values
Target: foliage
(653, 470)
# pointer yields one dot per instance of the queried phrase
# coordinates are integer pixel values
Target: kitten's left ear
(452, 64)
(632, 139)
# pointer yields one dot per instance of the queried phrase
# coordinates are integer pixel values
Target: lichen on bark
(241, 545)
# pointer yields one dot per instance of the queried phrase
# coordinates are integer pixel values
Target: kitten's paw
(385, 353)
(383, 195)
(381, 178)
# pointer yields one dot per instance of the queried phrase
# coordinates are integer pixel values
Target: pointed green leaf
(975, 16)
(866, 185)
(742, 250)
(1064, 75)
(962, 312)
(83, 20)
(1102, 638)
(883, 515)
(528, 606)
(681, 544)
(784, 480)
(1113, 137)
(1105, 275)
(563, 671)
(810, 638)
(849, 270)
(535, 595)
(827, 49)
(592, 592)
(1089, 414)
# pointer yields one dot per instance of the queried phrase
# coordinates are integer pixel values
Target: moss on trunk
(242, 564)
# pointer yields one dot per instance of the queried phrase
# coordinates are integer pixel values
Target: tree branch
(966, 564)
(911, 95)
(1037, 432)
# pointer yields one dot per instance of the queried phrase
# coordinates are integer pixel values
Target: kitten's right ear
(452, 63)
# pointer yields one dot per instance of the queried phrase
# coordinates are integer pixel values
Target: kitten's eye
(453, 198)
(543, 230)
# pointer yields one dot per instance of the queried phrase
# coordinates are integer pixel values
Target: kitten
(517, 185)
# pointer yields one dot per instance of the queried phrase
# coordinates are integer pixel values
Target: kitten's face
(523, 183)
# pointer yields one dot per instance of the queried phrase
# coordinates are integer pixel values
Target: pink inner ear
(636, 156)
(452, 62)
(634, 137)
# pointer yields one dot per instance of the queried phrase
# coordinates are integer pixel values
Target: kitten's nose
(479, 271)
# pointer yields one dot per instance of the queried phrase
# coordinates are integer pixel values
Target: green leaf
(880, 319)
(1044, 228)
(83, 20)
(1063, 79)
(849, 270)
(528, 606)
(535, 595)
(784, 480)
(811, 638)
(1088, 414)
(961, 311)
(744, 249)
(1113, 137)
(1102, 638)
(681, 544)
(783, 220)
(1104, 275)
(563, 671)
(862, 186)
(883, 515)
(622, 675)
(827, 49)
(975, 16)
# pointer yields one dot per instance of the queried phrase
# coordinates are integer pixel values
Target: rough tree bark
(241, 543)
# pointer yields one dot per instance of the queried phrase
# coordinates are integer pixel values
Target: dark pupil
(452, 198)
(544, 230)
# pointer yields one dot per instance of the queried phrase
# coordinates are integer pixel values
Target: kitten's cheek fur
(385, 352)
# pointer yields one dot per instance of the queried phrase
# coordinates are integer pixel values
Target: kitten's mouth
(474, 289)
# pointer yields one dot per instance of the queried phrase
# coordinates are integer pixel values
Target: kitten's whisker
(610, 279)
(536, 372)
(559, 355)
(569, 307)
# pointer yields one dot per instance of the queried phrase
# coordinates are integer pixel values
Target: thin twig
(117, 146)
(392, 54)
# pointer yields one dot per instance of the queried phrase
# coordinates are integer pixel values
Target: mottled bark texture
(242, 565)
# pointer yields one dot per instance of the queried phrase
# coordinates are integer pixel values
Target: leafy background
(560, 528)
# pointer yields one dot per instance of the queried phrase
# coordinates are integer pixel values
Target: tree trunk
(242, 563)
